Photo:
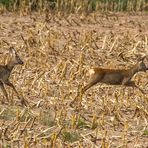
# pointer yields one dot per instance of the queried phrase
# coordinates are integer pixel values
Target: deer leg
(12, 86)
(132, 84)
(4, 91)
(87, 86)
(94, 79)
(139, 88)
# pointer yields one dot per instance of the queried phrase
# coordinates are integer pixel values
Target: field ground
(57, 52)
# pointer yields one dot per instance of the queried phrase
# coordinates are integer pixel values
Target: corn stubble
(57, 53)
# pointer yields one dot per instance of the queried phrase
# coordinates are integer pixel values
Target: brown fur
(115, 76)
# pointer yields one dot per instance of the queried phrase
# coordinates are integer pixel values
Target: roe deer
(115, 76)
(5, 71)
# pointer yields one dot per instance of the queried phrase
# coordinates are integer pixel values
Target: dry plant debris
(57, 52)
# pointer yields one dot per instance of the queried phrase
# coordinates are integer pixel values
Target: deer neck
(133, 71)
(10, 65)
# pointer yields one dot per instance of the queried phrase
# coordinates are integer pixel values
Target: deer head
(141, 65)
(15, 59)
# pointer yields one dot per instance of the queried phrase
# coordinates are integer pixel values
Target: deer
(115, 76)
(5, 72)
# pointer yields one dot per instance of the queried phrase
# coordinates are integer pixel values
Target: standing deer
(115, 76)
(5, 71)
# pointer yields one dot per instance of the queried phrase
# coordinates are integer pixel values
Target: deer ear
(12, 50)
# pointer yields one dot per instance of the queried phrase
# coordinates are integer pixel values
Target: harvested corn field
(57, 51)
